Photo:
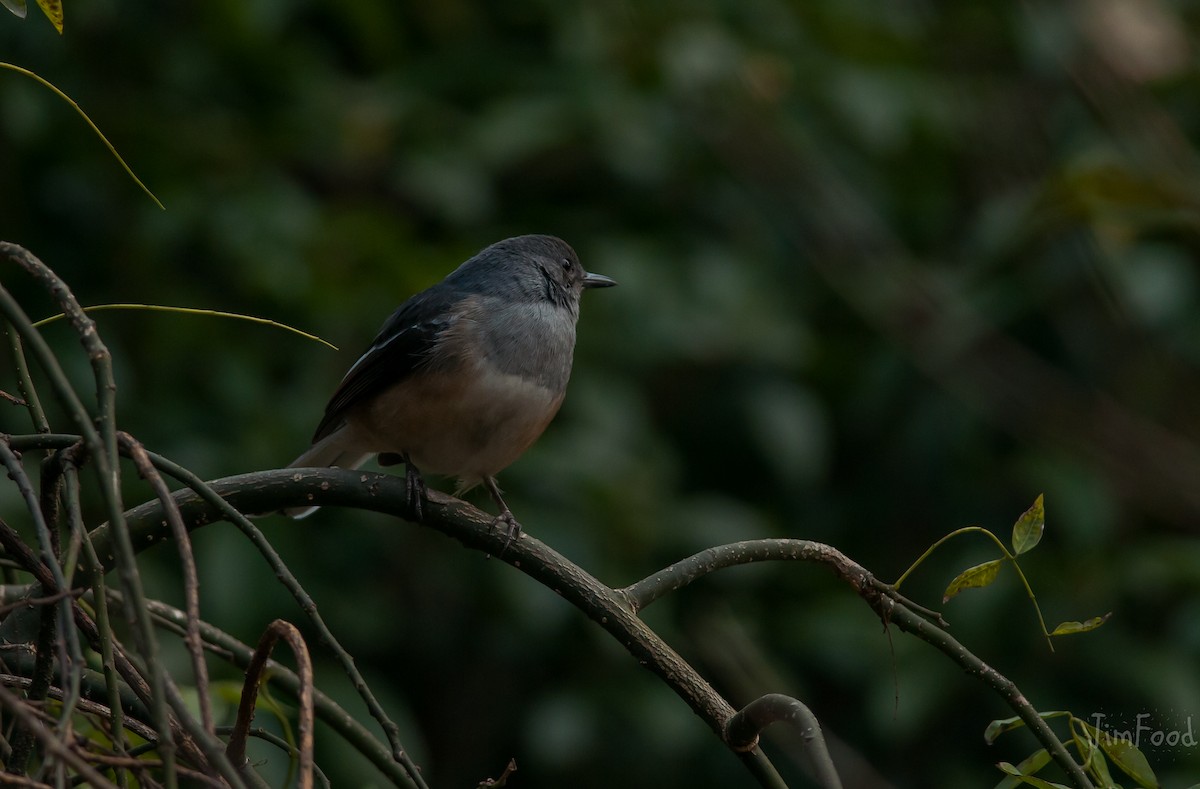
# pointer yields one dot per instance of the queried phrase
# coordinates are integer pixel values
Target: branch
(743, 729)
(888, 604)
(254, 676)
(17, 549)
(101, 544)
(100, 439)
(615, 611)
(678, 575)
(269, 491)
(52, 744)
(327, 710)
(187, 560)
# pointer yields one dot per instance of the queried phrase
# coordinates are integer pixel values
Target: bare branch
(191, 581)
(29, 720)
(240, 654)
(613, 610)
(743, 729)
(254, 676)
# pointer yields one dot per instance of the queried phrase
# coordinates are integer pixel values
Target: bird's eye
(566, 263)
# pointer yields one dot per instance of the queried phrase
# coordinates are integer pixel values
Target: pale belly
(465, 426)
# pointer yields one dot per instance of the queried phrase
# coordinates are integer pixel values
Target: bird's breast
(469, 422)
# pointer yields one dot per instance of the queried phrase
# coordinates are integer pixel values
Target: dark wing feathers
(402, 346)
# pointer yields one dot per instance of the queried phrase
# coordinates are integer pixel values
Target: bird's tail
(329, 451)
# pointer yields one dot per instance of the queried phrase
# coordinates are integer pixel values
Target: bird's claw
(512, 528)
(415, 488)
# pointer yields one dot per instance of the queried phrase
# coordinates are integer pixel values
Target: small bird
(464, 376)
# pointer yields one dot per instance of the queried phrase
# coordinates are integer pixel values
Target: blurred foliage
(887, 269)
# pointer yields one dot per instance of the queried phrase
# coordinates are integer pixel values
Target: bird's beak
(598, 281)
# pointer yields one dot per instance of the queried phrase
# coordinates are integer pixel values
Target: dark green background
(887, 269)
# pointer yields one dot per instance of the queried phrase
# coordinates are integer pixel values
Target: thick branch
(270, 491)
(613, 610)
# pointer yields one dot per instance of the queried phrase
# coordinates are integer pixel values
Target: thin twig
(327, 710)
(303, 599)
(20, 780)
(236, 749)
(67, 645)
(29, 396)
(282, 744)
(52, 744)
(13, 399)
(125, 667)
(32, 602)
(104, 636)
(143, 764)
(86, 705)
(51, 619)
(100, 439)
(191, 580)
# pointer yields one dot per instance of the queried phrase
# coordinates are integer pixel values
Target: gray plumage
(464, 376)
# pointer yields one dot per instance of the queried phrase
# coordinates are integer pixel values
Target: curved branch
(100, 439)
(254, 677)
(268, 491)
(888, 604)
(187, 561)
(747, 724)
(682, 573)
(327, 710)
(678, 575)
(615, 611)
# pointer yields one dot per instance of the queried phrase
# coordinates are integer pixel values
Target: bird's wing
(402, 346)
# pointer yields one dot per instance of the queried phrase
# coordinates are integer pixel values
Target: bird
(465, 375)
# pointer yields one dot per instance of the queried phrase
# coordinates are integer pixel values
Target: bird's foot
(414, 485)
(512, 529)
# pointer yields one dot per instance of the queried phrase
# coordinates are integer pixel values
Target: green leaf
(1027, 531)
(1026, 779)
(1032, 763)
(1093, 757)
(1068, 628)
(975, 577)
(16, 6)
(998, 727)
(1132, 762)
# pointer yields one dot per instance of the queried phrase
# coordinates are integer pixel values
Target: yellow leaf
(54, 12)
(1069, 628)
(1027, 531)
(975, 577)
